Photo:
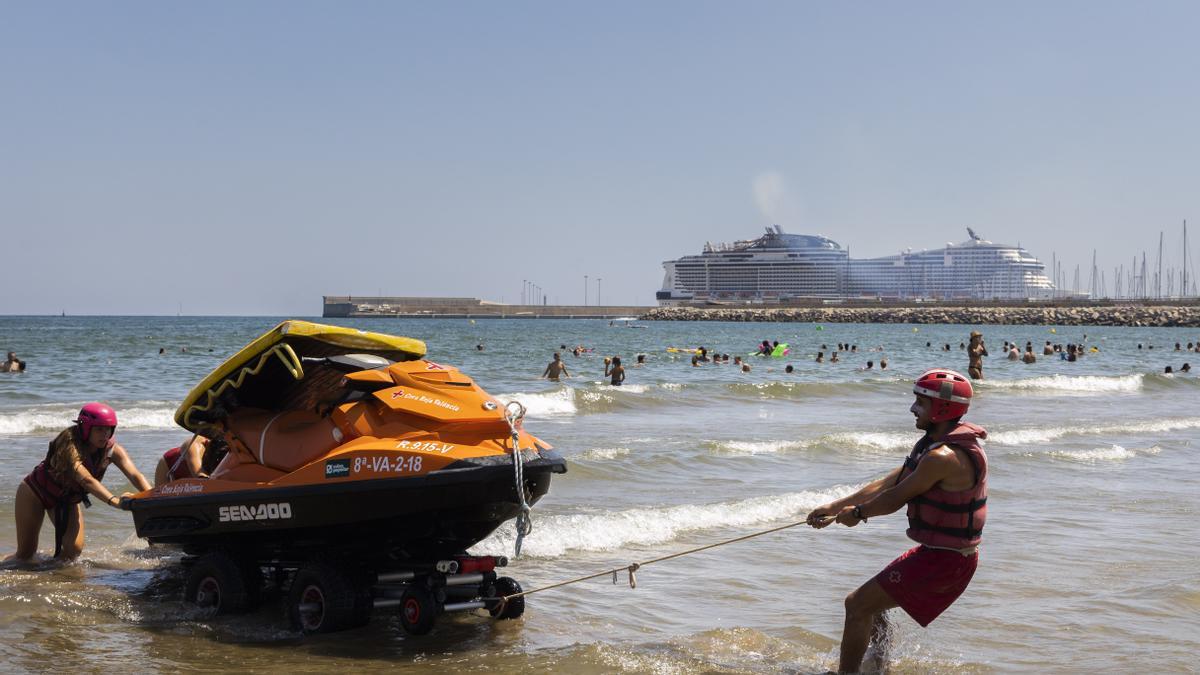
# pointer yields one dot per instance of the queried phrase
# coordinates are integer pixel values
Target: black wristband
(858, 512)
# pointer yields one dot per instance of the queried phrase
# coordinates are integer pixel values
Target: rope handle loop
(514, 413)
(631, 569)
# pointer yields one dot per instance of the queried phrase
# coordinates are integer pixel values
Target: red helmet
(951, 393)
(95, 415)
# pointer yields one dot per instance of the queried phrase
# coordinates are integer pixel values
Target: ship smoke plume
(775, 201)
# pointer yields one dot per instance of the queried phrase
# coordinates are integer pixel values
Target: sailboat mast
(1158, 277)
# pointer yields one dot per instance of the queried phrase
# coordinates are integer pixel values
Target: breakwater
(394, 307)
(1109, 315)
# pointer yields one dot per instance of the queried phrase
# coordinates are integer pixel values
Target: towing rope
(632, 568)
(514, 412)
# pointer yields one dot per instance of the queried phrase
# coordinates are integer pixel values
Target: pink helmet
(95, 415)
(951, 393)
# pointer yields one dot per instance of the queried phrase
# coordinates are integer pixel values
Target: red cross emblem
(430, 365)
(397, 394)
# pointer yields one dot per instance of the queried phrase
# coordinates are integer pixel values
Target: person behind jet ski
(73, 468)
(194, 459)
(944, 483)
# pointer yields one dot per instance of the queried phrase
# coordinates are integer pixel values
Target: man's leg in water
(863, 609)
(881, 637)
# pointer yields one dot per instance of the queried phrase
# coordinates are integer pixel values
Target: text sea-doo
(357, 475)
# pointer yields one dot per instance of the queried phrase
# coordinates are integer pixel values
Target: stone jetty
(1108, 315)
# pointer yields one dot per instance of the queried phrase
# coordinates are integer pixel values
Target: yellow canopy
(281, 344)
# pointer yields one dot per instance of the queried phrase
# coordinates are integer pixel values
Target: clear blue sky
(249, 157)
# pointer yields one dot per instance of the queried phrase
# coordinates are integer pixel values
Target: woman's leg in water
(29, 515)
(72, 544)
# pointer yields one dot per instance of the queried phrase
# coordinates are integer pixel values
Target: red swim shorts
(925, 581)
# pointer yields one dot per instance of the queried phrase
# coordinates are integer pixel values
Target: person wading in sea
(556, 368)
(975, 353)
(944, 483)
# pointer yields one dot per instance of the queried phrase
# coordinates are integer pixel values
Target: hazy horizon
(247, 159)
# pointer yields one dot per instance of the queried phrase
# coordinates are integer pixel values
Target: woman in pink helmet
(73, 468)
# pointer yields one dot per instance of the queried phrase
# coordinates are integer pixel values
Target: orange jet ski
(357, 475)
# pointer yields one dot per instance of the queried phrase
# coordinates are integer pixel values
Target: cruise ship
(780, 267)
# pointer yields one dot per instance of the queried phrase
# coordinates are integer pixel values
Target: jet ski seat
(285, 440)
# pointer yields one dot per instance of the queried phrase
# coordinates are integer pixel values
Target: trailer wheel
(417, 610)
(512, 609)
(322, 599)
(219, 583)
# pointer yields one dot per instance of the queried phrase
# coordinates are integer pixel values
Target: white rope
(514, 412)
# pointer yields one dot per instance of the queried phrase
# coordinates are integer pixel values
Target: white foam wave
(874, 440)
(865, 440)
(596, 396)
(548, 404)
(142, 415)
(557, 535)
(1075, 384)
(886, 441)
(1112, 454)
(755, 447)
(1036, 436)
(604, 454)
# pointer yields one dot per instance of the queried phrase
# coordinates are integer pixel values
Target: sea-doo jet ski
(358, 474)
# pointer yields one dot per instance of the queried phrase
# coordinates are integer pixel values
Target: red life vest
(949, 519)
(52, 492)
(176, 467)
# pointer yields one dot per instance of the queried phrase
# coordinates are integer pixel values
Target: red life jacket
(52, 492)
(176, 467)
(949, 519)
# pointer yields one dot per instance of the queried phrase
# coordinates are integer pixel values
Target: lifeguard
(943, 481)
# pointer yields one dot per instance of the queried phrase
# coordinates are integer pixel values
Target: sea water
(1088, 562)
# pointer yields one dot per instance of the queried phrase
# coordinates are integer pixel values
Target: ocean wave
(593, 398)
(547, 404)
(863, 440)
(889, 441)
(873, 440)
(1072, 384)
(554, 536)
(603, 454)
(793, 390)
(50, 419)
(1115, 453)
(754, 447)
(1045, 435)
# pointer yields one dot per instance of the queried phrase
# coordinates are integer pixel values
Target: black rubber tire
(323, 599)
(221, 583)
(514, 607)
(418, 610)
